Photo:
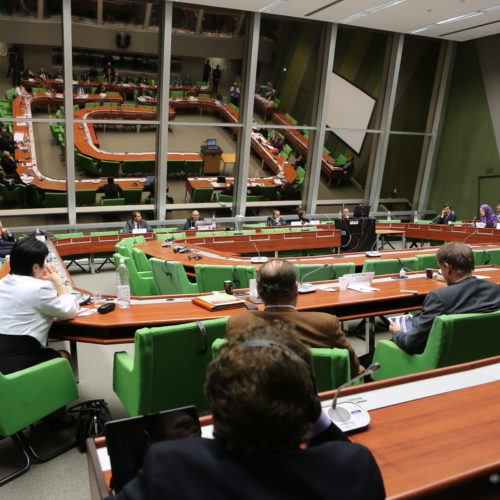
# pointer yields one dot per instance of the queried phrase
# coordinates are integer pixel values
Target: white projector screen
(349, 107)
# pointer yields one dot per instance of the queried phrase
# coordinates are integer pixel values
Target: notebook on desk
(129, 439)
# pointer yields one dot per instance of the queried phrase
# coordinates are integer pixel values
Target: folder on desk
(218, 301)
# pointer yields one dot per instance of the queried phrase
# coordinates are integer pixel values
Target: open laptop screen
(129, 439)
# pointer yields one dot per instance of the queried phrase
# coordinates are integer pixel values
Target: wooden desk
(431, 446)
(382, 233)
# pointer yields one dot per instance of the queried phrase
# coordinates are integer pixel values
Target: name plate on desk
(139, 231)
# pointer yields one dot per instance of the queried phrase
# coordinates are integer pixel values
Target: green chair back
(109, 168)
(200, 195)
(130, 241)
(175, 167)
(56, 199)
(63, 236)
(33, 393)
(168, 369)
(132, 196)
(493, 255)
(332, 272)
(141, 282)
(106, 202)
(389, 266)
(140, 259)
(449, 343)
(483, 257)
(331, 366)
(170, 277)
(212, 277)
(426, 260)
(85, 196)
(175, 236)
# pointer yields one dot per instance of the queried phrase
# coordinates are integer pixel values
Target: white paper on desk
(86, 312)
(362, 287)
(18, 137)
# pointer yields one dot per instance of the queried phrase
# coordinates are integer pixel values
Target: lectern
(212, 156)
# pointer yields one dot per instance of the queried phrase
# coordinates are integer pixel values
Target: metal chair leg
(23, 469)
(27, 448)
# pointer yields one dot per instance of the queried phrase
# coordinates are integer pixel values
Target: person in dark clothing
(216, 75)
(8, 183)
(111, 189)
(302, 215)
(6, 241)
(447, 215)
(271, 438)
(9, 163)
(206, 71)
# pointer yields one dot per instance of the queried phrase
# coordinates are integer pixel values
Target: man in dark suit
(447, 215)
(111, 189)
(191, 221)
(271, 438)
(278, 288)
(135, 223)
(464, 294)
(9, 163)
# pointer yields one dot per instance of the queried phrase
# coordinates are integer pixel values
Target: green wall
(467, 148)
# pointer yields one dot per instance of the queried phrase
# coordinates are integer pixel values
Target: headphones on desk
(314, 404)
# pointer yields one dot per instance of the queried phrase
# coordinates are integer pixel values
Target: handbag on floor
(90, 418)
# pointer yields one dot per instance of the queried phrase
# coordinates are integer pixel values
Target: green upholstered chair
(169, 367)
(56, 199)
(141, 282)
(87, 164)
(29, 395)
(453, 339)
(140, 259)
(331, 366)
(484, 257)
(170, 277)
(10, 195)
(85, 196)
(110, 168)
(332, 272)
(62, 236)
(132, 196)
(201, 195)
(389, 266)
(426, 260)
(10, 94)
(107, 202)
(212, 277)
(167, 236)
(275, 230)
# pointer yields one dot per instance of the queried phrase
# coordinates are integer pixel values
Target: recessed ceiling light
(460, 18)
(371, 10)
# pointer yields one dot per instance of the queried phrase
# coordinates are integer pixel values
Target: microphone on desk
(260, 259)
(350, 416)
(307, 287)
(473, 223)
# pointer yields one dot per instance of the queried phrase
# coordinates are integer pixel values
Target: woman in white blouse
(31, 296)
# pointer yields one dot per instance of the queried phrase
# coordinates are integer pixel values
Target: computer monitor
(211, 142)
(362, 211)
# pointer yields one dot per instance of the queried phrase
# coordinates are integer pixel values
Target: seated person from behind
(278, 288)
(31, 296)
(277, 142)
(59, 74)
(447, 215)
(291, 452)
(9, 163)
(111, 189)
(303, 217)
(300, 160)
(275, 219)
(8, 183)
(464, 294)
(191, 221)
(29, 75)
(487, 216)
(135, 223)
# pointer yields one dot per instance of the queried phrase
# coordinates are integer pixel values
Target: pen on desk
(409, 291)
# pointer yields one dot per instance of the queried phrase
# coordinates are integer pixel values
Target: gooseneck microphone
(259, 259)
(351, 416)
(307, 287)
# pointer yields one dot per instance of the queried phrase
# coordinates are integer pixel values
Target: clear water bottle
(415, 216)
(389, 215)
(122, 285)
(214, 223)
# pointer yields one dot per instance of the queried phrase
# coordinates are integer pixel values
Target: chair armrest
(126, 382)
(395, 362)
(145, 274)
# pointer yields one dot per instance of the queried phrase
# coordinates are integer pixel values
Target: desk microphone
(259, 259)
(473, 223)
(307, 287)
(347, 415)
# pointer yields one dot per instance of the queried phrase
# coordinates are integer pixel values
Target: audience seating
(169, 367)
(426, 260)
(175, 167)
(132, 196)
(170, 277)
(85, 196)
(110, 168)
(140, 259)
(212, 277)
(200, 195)
(331, 366)
(390, 266)
(29, 395)
(453, 339)
(106, 202)
(141, 282)
(56, 199)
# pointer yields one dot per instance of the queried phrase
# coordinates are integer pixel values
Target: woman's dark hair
(25, 253)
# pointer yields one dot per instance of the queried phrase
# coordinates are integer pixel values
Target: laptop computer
(129, 439)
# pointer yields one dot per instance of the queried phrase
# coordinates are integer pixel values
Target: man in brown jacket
(277, 287)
